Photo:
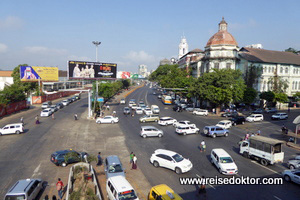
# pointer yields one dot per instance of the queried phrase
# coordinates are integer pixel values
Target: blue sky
(133, 32)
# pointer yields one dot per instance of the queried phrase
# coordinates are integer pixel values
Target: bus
(166, 99)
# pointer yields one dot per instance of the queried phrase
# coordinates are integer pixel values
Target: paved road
(188, 147)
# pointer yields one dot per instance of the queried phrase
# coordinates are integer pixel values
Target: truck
(263, 149)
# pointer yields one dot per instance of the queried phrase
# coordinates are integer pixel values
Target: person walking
(37, 121)
(75, 117)
(52, 115)
(114, 113)
(202, 189)
(202, 146)
(22, 120)
(107, 107)
(134, 165)
(99, 159)
(131, 158)
(258, 132)
(60, 188)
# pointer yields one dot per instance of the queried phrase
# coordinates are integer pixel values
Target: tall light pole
(97, 44)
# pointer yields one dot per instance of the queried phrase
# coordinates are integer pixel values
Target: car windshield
(177, 157)
(221, 123)
(226, 160)
(115, 169)
(128, 195)
(15, 197)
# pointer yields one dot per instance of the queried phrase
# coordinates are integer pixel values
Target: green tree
(252, 74)
(11, 94)
(249, 95)
(297, 96)
(278, 84)
(126, 83)
(281, 98)
(268, 96)
(292, 50)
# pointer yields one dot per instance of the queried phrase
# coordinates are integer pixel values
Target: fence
(12, 107)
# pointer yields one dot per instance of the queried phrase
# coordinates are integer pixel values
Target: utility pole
(96, 43)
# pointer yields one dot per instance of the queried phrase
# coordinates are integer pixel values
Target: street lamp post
(96, 43)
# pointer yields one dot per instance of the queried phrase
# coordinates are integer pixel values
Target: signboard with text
(34, 73)
(91, 70)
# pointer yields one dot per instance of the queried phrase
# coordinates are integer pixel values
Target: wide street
(27, 155)
(188, 146)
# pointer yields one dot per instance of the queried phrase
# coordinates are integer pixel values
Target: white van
(155, 109)
(118, 188)
(12, 129)
(223, 162)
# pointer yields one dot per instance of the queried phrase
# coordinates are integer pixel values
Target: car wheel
(0, 134)
(243, 122)
(63, 164)
(155, 164)
(226, 134)
(112, 122)
(214, 136)
(234, 124)
(264, 162)
(159, 135)
(292, 167)
(144, 135)
(287, 178)
(246, 154)
(156, 120)
(184, 133)
(211, 161)
(178, 170)
(220, 170)
(143, 121)
(17, 132)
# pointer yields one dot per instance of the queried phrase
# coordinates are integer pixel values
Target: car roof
(108, 116)
(184, 121)
(120, 183)
(281, 113)
(21, 185)
(166, 118)
(64, 151)
(148, 127)
(164, 151)
(225, 121)
(113, 159)
(212, 127)
(220, 152)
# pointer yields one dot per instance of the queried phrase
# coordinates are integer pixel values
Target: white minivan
(223, 162)
(118, 188)
(155, 109)
(12, 129)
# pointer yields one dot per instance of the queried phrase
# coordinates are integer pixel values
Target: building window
(281, 70)
(269, 69)
(294, 71)
(216, 65)
(293, 85)
(286, 70)
(296, 85)
(273, 69)
(228, 65)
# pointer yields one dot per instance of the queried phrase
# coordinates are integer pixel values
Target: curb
(292, 146)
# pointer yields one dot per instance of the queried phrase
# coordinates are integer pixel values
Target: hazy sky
(133, 32)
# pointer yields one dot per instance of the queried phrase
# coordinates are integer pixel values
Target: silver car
(291, 175)
(25, 189)
(295, 163)
(113, 167)
(151, 131)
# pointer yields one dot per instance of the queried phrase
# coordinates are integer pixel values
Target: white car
(151, 131)
(148, 111)
(65, 102)
(184, 123)
(130, 104)
(255, 118)
(12, 129)
(107, 119)
(223, 162)
(53, 108)
(292, 175)
(200, 112)
(122, 101)
(46, 112)
(184, 130)
(225, 124)
(166, 121)
(170, 160)
(139, 111)
(134, 106)
(280, 116)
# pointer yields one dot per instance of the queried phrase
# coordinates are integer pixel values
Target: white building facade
(143, 70)
(183, 47)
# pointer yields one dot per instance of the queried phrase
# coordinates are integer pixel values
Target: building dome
(222, 37)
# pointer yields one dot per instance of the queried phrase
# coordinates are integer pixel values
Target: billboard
(34, 73)
(91, 70)
(123, 75)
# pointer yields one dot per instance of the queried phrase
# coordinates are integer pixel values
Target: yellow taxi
(163, 192)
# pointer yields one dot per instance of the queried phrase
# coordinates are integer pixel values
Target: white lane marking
(35, 172)
(146, 98)
(208, 183)
(276, 197)
(265, 167)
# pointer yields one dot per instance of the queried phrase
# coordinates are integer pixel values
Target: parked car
(292, 175)
(126, 111)
(46, 112)
(184, 123)
(12, 129)
(170, 160)
(107, 119)
(71, 100)
(113, 167)
(148, 111)
(223, 161)
(166, 121)
(184, 130)
(65, 157)
(280, 116)
(46, 104)
(149, 118)
(25, 189)
(258, 111)
(294, 163)
(133, 106)
(53, 108)
(65, 102)
(200, 112)
(151, 131)
(122, 101)
(139, 111)
(255, 118)
(225, 124)
(214, 131)
(238, 120)
(177, 108)
(59, 105)
(229, 114)
(271, 110)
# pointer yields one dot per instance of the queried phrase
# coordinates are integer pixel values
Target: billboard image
(123, 75)
(34, 73)
(91, 70)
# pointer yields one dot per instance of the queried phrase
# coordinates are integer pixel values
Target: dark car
(177, 108)
(65, 157)
(258, 111)
(59, 105)
(229, 114)
(126, 111)
(238, 120)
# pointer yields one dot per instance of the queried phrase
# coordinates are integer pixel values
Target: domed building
(221, 50)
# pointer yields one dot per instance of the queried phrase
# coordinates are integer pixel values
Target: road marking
(276, 197)
(146, 98)
(208, 183)
(35, 172)
(265, 167)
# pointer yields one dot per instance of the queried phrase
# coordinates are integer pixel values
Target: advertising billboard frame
(38, 73)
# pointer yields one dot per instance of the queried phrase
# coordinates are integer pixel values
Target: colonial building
(193, 61)
(183, 47)
(285, 65)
